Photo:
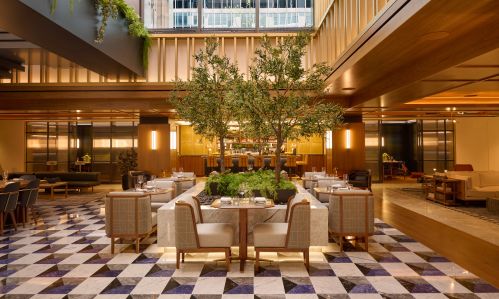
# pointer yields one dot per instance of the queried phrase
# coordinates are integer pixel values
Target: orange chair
(258, 162)
(211, 163)
(228, 162)
(291, 164)
(272, 162)
(243, 162)
(302, 165)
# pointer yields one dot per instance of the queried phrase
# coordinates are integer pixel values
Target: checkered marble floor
(67, 255)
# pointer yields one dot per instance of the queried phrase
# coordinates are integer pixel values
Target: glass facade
(62, 143)
(227, 14)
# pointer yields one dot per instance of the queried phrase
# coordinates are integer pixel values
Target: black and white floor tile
(67, 255)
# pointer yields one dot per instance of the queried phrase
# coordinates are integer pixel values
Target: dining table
(243, 205)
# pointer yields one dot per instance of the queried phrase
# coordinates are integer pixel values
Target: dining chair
(243, 162)
(27, 199)
(272, 162)
(129, 216)
(324, 183)
(302, 164)
(192, 235)
(258, 162)
(228, 162)
(8, 204)
(291, 236)
(211, 163)
(351, 213)
(291, 164)
(169, 191)
(28, 177)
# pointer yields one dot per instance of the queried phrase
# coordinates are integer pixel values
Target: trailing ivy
(112, 9)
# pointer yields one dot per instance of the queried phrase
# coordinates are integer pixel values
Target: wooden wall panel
(158, 160)
(353, 158)
(192, 163)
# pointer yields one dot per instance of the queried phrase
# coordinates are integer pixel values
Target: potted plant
(127, 161)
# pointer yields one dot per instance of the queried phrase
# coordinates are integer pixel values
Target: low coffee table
(56, 185)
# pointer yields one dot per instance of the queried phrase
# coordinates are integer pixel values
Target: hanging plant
(112, 9)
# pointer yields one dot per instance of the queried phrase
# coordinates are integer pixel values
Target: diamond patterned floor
(67, 255)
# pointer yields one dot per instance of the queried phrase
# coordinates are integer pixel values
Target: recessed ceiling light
(460, 112)
(348, 88)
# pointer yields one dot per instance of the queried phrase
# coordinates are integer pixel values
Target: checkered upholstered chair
(169, 191)
(308, 184)
(192, 235)
(294, 235)
(129, 216)
(185, 184)
(324, 183)
(351, 213)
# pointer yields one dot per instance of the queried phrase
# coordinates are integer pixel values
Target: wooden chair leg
(341, 243)
(306, 257)
(13, 217)
(366, 240)
(257, 259)
(227, 258)
(1, 223)
(178, 259)
(112, 245)
(137, 245)
(23, 211)
(183, 257)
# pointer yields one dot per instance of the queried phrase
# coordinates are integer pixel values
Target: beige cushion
(270, 234)
(156, 205)
(126, 193)
(163, 197)
(161, 184)
(154, 217)
(489, 178)
(215, 234)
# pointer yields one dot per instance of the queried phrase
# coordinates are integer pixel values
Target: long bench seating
(74, 179)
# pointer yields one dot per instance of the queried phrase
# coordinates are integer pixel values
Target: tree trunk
(278, 161)
(222, 155)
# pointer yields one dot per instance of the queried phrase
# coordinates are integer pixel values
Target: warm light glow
(154, 145)
(348, 142)
(78, 143)
(173, 140)
(329, 139)
(382, 141)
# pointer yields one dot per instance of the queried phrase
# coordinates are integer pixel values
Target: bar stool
(211, 163)
(291, 164)
(243, 162)
(301, 165)
(228, 162)
(272, 162)
(258, 162)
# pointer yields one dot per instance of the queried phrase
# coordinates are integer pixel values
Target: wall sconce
(348, 141)
(78, 143)
(329, 139)
(382, 141)
(173, 140)
(154, 141)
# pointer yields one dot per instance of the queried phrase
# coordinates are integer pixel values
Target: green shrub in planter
(262, 182)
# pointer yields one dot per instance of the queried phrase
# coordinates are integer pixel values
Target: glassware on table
(323, 169)
(313, 169)
(138, 187)
(153, 177)
(5, 175)
(174, 170)
(180, 169)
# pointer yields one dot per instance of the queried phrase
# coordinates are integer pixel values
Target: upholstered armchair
(307, 184)
(192, 235)
(129, 216)
(324, 183)
(168, 190)
(185, 180)
(351, 213)
(294, 235)
(27, 198)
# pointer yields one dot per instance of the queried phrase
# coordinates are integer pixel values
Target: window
(227, 14)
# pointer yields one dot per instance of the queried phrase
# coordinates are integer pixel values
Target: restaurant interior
(111, 189)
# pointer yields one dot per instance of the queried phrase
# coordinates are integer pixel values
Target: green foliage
(112, 9)
(229, 184)
(127, 161)
(283, 100)
(209, 102)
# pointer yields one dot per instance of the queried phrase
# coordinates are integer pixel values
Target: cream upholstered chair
(129, 216)
(351, 213)
(168, 192)
(185, 180)
(324, 183)
(307, 184)
(192, 235)
(294, 235)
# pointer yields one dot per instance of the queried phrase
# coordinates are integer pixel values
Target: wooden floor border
(474, 254)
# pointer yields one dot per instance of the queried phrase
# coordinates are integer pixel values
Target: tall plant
(209, 101)
(283, 99)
